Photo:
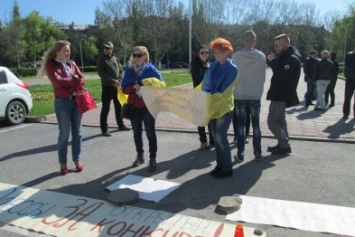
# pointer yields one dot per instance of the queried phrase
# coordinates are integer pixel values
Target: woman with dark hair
(65, 77)
(219, 81)
(199, 66)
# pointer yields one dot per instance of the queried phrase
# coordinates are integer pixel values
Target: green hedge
(24, 72)
(29, 72)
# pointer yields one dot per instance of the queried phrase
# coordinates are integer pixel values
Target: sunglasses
(137, 55)
(204, 52)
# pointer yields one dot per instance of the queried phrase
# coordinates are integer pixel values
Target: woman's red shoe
(64, 171)
(79, 168)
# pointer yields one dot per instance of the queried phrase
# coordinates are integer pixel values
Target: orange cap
(239, 232)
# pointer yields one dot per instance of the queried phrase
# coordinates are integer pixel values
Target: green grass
(43, 99)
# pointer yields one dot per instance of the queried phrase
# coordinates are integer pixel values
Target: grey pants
(276, 121)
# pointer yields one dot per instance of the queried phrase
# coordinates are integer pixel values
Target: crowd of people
(235, 81)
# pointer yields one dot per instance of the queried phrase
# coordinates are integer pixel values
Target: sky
(83, 11)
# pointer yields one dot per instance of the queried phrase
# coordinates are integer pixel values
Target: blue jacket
(219, 76)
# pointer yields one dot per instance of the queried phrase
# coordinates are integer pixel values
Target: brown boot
(139, 160)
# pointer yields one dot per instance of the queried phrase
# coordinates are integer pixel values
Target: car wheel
(15, 113)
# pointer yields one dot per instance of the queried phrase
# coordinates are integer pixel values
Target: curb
(295, 138)
(35, 119)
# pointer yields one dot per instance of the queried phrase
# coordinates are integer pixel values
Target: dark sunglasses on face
(204, 52)
(137, 55)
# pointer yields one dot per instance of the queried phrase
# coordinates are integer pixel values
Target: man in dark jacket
(324, 71)
(349, 83)
(110, 71)
(286, 70)
(308, 70)
(333, 81)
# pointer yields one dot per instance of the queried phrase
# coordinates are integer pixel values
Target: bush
(90, 69)
(24, 72)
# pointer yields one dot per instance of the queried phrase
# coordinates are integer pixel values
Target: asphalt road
(316, 172)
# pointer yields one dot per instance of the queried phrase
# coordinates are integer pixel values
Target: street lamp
(81, 56)
(190, 33)
(346, 35)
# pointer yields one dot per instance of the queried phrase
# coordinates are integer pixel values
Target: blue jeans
(138, 117)
(68, 118)
(254, 107)
(219, 129)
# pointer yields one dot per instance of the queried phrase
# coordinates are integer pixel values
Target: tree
(12, 38)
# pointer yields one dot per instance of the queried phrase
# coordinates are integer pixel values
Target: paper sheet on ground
(148, 188)
(188, 104)
(59, 214)
(298, 215)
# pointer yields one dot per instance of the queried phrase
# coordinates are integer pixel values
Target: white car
(15, 98)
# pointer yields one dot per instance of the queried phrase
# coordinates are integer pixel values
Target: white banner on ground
(149, 189)
(60, 214)
(298, 215)
(188, 104)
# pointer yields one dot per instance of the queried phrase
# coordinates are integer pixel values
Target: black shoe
(152, 165)
(345, 117)
(215, 170)
(106, 134)
(123, 128)
(259, 157)
(139, 160)
(282, 151)
(239, 158)
(205, 146)
(220, 173)
(272, 148)
(331, 105)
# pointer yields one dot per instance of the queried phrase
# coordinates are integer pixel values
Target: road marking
(17, 127)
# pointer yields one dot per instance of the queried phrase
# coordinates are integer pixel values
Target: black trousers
(349, 91)
(203, 136)
(330, 91)
(108, 94)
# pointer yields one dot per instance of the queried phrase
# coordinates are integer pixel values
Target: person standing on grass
(219, 81)
(199, 66)
(248, 92)
(110, 71)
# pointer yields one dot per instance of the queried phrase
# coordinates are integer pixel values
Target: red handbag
(84, 100)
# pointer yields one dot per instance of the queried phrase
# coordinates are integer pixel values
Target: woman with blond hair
(65, 77)
(138, 69)
(219, 81)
